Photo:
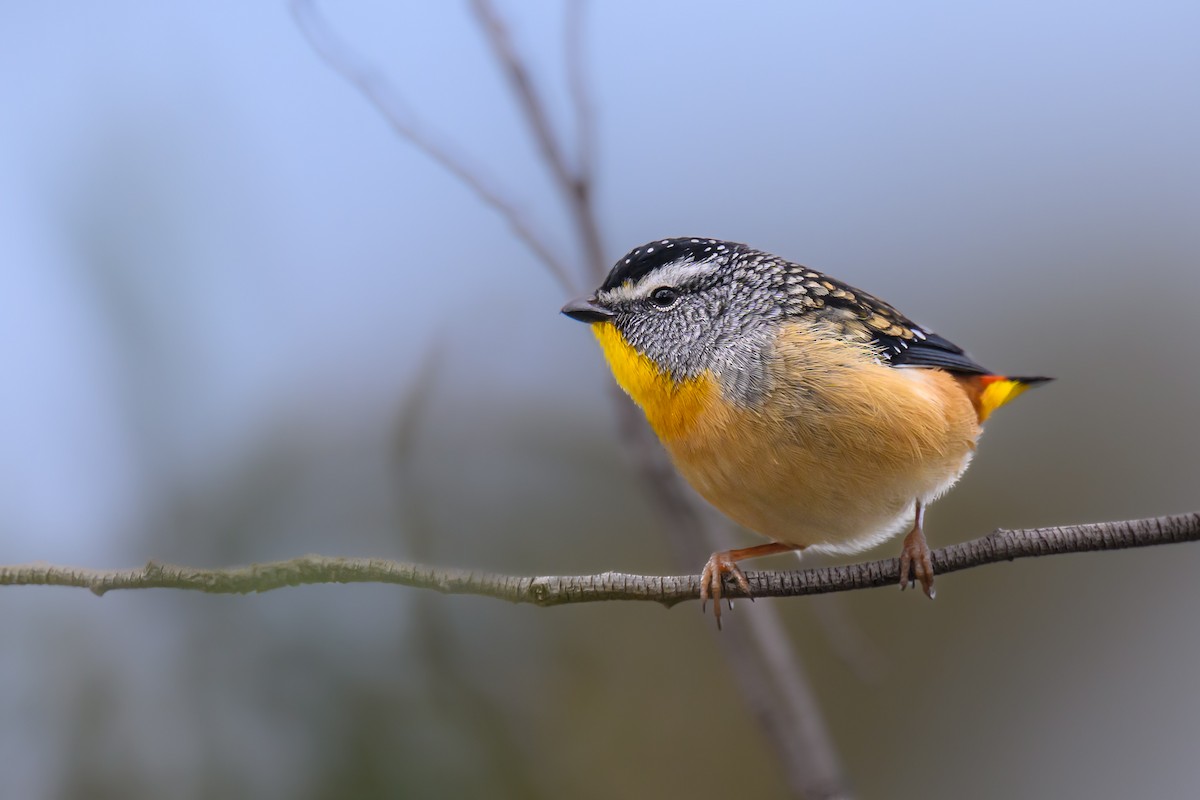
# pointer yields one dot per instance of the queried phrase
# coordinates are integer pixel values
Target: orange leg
(725, 563)
(915, 563)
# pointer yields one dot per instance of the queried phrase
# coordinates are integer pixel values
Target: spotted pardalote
(806, 410)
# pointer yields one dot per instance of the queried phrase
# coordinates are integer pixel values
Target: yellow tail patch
(996, 392)
(671, 406)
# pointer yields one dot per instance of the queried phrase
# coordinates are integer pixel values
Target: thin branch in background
(497, 36)
(447, 684)
(415, 405)
(811, 763)
(383, 95)
(576, 191)
(575, 42)
(847, 640)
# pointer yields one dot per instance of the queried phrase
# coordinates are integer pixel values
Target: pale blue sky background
(213, 251)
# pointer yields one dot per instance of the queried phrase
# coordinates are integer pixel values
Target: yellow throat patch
(671, 407)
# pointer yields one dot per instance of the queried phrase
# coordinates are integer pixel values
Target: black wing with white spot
(935, 351)
(865, 317)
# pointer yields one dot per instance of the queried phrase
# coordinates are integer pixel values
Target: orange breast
(839, 451)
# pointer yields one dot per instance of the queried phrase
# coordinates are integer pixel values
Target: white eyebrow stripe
(673, 274)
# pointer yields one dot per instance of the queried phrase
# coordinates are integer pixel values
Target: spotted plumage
(805, 409)
(802, 292)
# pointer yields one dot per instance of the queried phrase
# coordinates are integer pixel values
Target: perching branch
(1001, 545)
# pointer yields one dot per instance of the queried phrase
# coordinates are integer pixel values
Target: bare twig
(446, 673)
(575, 189)
(1001, 545)
(788, 710)
(581, 99)
(847, 641)
(435, 144)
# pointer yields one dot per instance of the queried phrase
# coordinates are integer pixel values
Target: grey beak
(586, 310)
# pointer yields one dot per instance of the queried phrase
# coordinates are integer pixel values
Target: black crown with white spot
(808, 293)
(643, 260)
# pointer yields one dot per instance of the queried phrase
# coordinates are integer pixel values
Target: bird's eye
(664, 296)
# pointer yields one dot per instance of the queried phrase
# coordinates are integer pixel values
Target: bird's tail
(992, 391)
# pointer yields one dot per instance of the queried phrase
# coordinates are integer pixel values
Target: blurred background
(241, 320)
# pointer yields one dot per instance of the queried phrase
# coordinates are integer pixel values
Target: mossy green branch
(554, 590)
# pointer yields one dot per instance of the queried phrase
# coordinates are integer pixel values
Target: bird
(804, 409)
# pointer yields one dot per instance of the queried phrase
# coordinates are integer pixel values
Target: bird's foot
(712, 582)
(712, 579)
(916, 563)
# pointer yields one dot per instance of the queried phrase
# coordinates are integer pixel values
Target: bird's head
(687, 309)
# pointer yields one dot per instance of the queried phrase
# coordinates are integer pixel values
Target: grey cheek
(680, 341)
(667, 340)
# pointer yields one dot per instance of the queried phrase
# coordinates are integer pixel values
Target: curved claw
(916, 563)
(712, 578)
(712, 582)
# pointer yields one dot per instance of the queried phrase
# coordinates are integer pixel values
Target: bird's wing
(901, 342)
